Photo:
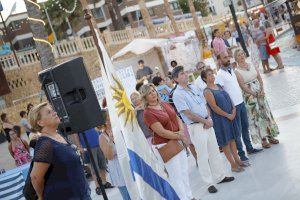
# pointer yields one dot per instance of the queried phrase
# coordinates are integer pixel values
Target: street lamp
(49, 21)
(11, 45)
(237, 26)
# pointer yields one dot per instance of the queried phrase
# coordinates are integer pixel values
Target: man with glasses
(191, 105)
(199, 83)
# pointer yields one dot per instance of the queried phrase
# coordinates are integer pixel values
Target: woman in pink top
(218, 43)
(18, 148)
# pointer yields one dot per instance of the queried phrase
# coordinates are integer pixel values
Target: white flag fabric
(144, 174)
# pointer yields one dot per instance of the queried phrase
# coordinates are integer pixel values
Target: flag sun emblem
(123, 104)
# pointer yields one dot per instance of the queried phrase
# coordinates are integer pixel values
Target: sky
(8, 4)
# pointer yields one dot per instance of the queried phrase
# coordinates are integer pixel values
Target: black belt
(198, 122)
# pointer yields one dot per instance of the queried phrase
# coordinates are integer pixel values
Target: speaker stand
(94, 166)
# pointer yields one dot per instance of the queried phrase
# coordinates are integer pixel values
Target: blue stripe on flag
(159, 184)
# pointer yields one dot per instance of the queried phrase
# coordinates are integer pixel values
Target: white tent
(140, 46)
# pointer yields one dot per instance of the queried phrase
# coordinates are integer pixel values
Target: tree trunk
(196, 21)
(38, 30)
(112, 14)
(147, 19)
(169, 12)
(120, 22)
(245, 9)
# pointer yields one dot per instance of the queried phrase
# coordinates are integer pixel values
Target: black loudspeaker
(70, 91)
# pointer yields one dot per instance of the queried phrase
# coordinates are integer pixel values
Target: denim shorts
(263, 52)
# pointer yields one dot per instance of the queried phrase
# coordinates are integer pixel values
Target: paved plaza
(274, 174)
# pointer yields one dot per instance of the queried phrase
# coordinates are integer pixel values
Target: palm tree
(245, 9)
(38, 30)
(199, 33)
(120, 22)
(147, 19)
(110, 8)
(171, 17)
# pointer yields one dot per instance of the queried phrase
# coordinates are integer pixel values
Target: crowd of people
(224, 108)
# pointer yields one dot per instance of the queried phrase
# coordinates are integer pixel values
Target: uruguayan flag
(144, 175)
(11, 186)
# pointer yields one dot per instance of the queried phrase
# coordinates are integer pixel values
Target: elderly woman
(261, 121)
(168, 139)
(57, 171)
(223, 114)
(139, 111)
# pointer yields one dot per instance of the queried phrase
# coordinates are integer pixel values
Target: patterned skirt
(261, 120)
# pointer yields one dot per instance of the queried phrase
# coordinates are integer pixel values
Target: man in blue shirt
(191, 105)
(93, 139)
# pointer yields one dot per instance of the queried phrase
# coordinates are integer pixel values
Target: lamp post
(6, 33)
(237, 26)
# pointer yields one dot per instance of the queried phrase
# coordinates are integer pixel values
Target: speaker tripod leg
(95, 167)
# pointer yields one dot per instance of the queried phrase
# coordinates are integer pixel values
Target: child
(208, 57)
(162, 89)
(18, 148)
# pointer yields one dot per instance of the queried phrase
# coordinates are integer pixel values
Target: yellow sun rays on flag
(123, 104)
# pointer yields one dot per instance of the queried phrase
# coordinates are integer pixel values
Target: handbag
(171, 149)
(28, 190)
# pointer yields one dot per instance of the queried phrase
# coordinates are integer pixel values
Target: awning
(140, 46)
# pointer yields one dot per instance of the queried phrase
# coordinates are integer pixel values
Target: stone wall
(25, 86)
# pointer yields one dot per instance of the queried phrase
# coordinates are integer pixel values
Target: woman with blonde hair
(57, 171)
(168, 139)
(261, 121)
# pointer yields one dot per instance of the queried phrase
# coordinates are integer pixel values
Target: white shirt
(200, 84)
(230, 84)
(232, 41)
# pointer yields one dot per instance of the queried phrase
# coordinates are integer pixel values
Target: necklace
(244, 66)
(153, 105)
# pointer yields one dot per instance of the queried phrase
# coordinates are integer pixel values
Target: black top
(65, 178)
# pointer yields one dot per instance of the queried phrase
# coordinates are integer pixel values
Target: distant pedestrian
(259, 38)
(24, 122)
(144, 73)
(272, 46)
(18, 148)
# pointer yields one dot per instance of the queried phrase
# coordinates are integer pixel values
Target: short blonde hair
(34, 116)
(144, 91)
(236, 53)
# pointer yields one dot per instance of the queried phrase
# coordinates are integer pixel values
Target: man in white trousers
(191, 105)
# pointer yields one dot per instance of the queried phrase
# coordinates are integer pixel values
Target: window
(175, 6)
(151, 11)
(97, 13)
(16, 25)
(137, 15)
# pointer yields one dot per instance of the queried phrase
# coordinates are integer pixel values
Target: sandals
(265, 144)
(273, 141)
(108, 185)
(98, 191)
(238, 169)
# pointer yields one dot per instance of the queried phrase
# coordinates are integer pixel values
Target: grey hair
(268, 24)
(236, 53)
